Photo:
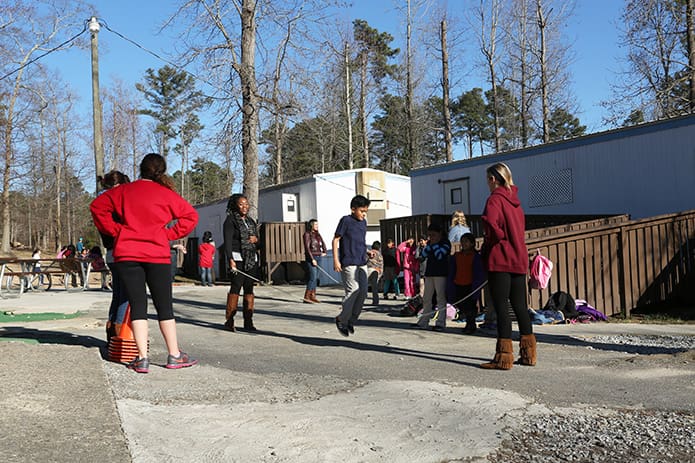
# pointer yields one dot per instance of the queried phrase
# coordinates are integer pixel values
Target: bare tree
(658, 78)
(489, 13)
(31, 32)
(445, 94)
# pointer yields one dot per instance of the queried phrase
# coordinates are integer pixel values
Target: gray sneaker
(139, 365)
(182, 361)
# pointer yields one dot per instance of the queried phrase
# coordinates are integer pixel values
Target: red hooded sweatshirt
(144, 212)
(504, 248)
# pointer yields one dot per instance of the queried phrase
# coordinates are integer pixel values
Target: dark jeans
(509, 287)
(313, 276)
(468, 308)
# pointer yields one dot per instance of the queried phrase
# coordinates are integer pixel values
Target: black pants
(134, 276)
(508, 288)
(468, 308)
(240, 280)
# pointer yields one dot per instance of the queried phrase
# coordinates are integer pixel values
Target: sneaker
(438, 328)
(139, 365)
(182, 361)
(351, 328)
(341, 328)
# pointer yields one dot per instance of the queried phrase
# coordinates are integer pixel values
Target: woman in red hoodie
(506, 260)
(143, 217)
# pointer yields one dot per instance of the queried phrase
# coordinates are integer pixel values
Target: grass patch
(8, 316)
(27, 340)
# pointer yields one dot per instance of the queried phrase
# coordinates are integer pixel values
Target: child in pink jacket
(410, 265)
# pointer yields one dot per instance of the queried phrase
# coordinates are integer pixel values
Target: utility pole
(96, 103)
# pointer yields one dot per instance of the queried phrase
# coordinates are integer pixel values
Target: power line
(84, 29)
(174, 65)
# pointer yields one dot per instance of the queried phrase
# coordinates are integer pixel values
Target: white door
(290, 207)
(457, 196)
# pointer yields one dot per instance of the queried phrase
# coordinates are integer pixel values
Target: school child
(206, 253)
(375, 266)
(96, 259)
(466, 273)
(422, 262)
(437, 253)
(350, 260)
(391, 269)
(410, 264)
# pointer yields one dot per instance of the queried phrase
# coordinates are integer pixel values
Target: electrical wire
(74, 37)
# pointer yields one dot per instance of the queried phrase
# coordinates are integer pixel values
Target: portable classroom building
(643, 171)
(326, 198)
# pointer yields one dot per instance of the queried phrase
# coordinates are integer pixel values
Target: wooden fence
(280, 242)
(625, 265)
(402, 228)
(616, 264)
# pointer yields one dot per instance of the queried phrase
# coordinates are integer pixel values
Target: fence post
(623, 267)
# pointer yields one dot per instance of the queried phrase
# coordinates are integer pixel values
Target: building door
(457, 196)
(290, 208)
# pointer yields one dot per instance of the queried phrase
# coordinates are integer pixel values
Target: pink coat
(408, 261)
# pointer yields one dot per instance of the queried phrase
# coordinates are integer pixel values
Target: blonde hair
(502, 173)
(458, 218)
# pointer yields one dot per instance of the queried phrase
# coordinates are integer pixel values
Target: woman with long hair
(241, 248)
(314, 246)
(506, 260)
(143, 217)
(118, 306)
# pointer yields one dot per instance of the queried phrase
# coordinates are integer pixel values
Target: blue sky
(592, 33)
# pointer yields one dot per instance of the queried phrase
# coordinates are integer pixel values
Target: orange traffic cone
(122, 347)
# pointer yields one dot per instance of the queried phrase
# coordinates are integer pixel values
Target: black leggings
(134, 275)
(239, 280)
(508, 288)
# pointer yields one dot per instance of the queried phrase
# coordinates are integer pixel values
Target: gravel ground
(608, 435)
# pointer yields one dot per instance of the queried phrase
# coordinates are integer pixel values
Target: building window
(551, 188)
(456, 196)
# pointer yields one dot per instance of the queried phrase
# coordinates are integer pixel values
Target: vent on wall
(550, 188)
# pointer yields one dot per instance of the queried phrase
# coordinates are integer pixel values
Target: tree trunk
(412, 155)
(250, 106)
(363, 109)
(544, 71)
(690, 10)
(523, 66)
(348, 108)
(445, 95)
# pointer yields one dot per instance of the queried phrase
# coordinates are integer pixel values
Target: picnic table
(20, 275)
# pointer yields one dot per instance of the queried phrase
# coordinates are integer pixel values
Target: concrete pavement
(297, 390)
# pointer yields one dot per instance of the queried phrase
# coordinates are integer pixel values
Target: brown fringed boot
(307, 297)
(248, 313)
(312, 296)
(232, 304)
(504, 356)
(527, 350)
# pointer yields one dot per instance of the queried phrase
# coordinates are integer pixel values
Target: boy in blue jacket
(436, 253)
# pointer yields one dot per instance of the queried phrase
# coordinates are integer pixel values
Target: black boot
(248, 312)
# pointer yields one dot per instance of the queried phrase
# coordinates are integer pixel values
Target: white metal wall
(642, 171)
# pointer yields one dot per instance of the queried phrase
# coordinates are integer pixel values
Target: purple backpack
(584, 308)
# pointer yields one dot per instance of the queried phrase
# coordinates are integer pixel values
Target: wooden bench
(20, 275)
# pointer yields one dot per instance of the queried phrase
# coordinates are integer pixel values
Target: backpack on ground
(540, 270)
(412, 306)
(562, 302)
